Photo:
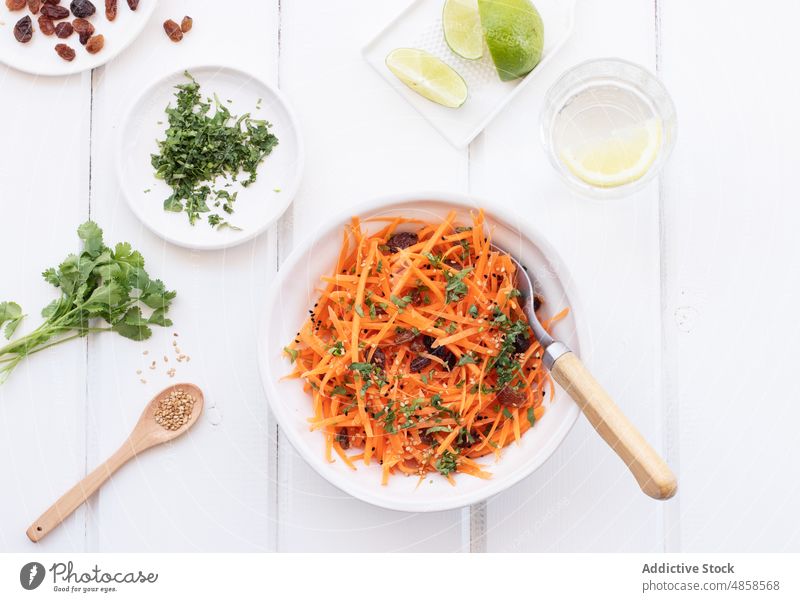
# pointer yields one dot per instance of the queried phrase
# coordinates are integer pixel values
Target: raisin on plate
(111, 9)
(82, 8)
(46, 26)
(133, 4)
(15, 4)
(65, 52)
(95, 44)
(23, 30)
(64, 29)
(34, 6)
(54, 12)
(186, 24)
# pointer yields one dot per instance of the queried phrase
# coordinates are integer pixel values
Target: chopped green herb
(456, 288)
(202, 145)
(466, 359)
(401, 302)
(292, 353)
(337, 349)
(447, 463)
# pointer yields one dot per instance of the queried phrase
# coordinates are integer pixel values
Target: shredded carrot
(418, 355)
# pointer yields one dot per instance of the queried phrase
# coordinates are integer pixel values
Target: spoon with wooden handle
(146, 434)
(651, 472)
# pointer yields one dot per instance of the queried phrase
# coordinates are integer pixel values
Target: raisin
(133, 4)
(65, 52)
(173, 30)
(83, 26)
(82, 8)
(403, 335)
(186, 24)
(343, 439)
(427, 438)
(46, 26)
(419, 363)
(95, 44)
(56, 13)
(111, 9)
(64, 29)
(537, 302)
(84, 37)
(34, 6)
(418, 345)
(378, 358)
(447, 356)
(453, 264)
(402, 240)
(521, 343)
(23, 30)
(511, 397)
(51, 1)
(15, 4)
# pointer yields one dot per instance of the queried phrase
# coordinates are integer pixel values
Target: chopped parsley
(202, 145)
(456, 288)
(447, 463)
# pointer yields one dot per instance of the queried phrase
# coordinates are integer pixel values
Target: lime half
(429, 76)
(514, 34)
(620, 159)
(461, 22)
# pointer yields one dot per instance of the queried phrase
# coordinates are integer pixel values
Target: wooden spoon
(648, 468)
(146, 434)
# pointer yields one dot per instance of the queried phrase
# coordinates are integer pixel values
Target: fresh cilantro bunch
(202, 145)
(102, 289)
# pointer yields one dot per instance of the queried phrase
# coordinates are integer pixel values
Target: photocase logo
(31, 575)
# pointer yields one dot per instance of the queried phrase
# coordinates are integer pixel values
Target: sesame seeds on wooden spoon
(168, 415)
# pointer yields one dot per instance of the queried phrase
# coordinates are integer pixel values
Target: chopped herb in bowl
(204, 151)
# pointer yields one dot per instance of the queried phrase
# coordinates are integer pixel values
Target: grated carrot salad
(417, 354)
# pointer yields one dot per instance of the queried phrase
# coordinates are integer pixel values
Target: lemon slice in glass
(463, 33)
(622, 158)
(429, 76)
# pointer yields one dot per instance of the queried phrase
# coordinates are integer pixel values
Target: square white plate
(420, 26)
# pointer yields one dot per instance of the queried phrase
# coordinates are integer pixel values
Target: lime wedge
(461, 22)
(429, 76)
(514, 34)
(623, 157)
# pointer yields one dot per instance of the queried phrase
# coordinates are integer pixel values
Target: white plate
(294, 291)
(257, 206)
(420, 26)
(39, 56)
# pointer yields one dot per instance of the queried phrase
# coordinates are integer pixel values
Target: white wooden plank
(44, 160)
(731, 221)
(583, 499)
(209, 491)
(363, 140)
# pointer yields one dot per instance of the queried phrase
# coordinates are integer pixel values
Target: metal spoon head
(150, 432)
(526, 286)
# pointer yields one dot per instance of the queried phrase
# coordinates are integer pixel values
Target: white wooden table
(690, 290)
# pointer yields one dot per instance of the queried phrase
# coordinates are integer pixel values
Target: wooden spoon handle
(69, 502)
(651, 472)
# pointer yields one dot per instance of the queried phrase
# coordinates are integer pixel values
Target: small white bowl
(294, 291)
(258, 206)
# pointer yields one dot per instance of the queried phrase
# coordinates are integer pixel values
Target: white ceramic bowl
(295, 291)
